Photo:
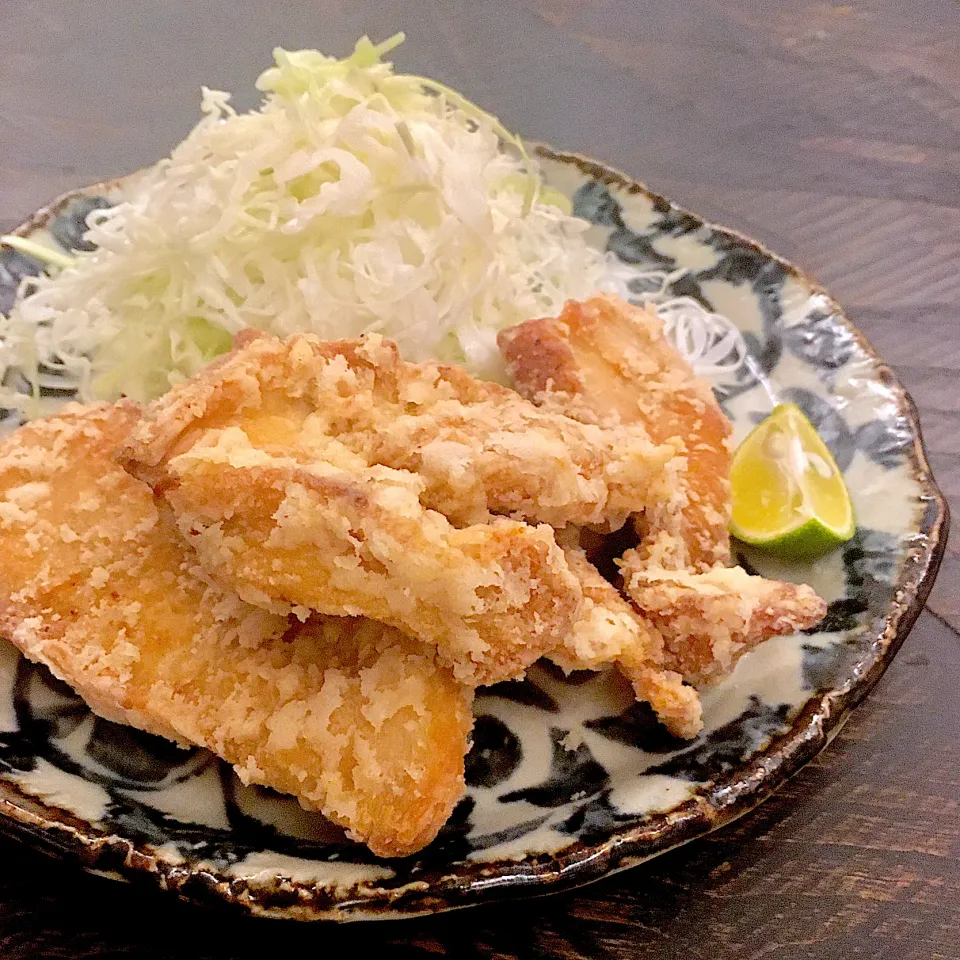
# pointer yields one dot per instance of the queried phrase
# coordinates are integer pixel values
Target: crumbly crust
(709, 619)
(352, 717)
(493, 597)
(605, 361)
(477, 448)
(609, 630)
(336, 476)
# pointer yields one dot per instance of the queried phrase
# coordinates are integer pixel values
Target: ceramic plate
(568, 778)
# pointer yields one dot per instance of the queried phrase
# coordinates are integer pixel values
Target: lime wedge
(788, 493)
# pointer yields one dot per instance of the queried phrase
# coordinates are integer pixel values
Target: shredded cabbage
(709, 342)
(354, 199)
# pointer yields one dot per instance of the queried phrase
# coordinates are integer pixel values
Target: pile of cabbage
(355, 199)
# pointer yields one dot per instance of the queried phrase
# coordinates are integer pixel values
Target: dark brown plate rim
(730, 796)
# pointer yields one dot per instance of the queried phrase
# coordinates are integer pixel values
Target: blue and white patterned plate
(568, 778)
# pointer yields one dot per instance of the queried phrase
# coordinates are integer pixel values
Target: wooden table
(831, 132)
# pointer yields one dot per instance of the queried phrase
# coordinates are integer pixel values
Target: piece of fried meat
(493, 597)
(477, 448)
(606, 361)
(352, 717)
(709, 619)
(336, 476)
(609, 630)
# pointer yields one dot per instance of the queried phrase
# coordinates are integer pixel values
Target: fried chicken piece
(493, 597)
(335, 476)
(352, 717)
(605, 361)
(709, 619)
(477, 448)
(609, 631)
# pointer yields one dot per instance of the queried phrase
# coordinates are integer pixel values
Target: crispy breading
(477, 448)
(352, 717)
(493, 597)
(605, 361)
(335, 476)
(610, 631)
(709, 619)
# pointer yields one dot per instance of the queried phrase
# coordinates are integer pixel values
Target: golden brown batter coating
(605, 361)
(476, 448)
(493, 597)
(610, 631)
(335, 476)
(710, 619)
(351, 717)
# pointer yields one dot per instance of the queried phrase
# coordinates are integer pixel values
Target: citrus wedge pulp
(788, 493)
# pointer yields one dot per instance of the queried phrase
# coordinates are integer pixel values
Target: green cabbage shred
(354, 199)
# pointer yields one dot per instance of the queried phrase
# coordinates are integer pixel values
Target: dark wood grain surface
(829, 131)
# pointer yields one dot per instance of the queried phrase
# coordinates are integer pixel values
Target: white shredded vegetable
(712, 345)
(353, 200)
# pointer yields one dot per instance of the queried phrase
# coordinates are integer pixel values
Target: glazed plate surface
(568, 778)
